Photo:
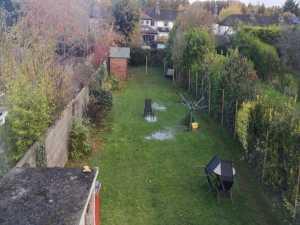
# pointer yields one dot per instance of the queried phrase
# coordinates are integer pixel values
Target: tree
(232, 9)
(198, 43)
(195, 16)
(291, 6)
(126, 16)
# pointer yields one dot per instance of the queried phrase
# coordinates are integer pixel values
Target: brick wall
(118, 67)
(57, 136)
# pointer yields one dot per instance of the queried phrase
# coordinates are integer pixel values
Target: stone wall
(57, 136)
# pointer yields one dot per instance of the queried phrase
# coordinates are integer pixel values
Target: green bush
(156, 57)
(263, 55)
(30, 114)
(79, 140)
(269, 34)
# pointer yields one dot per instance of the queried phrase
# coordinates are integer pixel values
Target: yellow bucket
(195, 126)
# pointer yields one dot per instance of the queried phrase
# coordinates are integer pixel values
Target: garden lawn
(151, 182)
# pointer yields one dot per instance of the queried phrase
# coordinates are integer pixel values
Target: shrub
(79, 143)
(263, 55)
(30, 114)
(155, 57)
(270, 34)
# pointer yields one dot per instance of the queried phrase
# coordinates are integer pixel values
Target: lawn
(152, 182)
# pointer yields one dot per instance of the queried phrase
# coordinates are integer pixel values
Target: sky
(266, 2)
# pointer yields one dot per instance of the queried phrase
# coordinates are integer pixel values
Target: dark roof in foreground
(44, 196)
(248, 19)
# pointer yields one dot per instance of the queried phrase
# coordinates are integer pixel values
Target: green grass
(159, 182)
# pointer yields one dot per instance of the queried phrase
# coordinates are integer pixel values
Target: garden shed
(118, 62)
(61, 196)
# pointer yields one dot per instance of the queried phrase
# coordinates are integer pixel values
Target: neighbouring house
(118, 62)
(40, 196)
(228, 25)
(156, 24)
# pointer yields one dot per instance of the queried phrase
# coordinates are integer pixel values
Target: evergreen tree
(291, 6)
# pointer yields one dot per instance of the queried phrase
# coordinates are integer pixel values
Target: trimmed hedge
(156, 57)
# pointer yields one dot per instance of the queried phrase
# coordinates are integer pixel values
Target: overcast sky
(266, 2)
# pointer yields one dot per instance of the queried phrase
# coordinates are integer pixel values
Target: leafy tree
(195, 15)
(291, 6)
(126, 16)
(232, 9)
(198, 43)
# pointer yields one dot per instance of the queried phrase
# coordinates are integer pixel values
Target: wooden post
(196, 84)
(146, 64)
(265, 157)
(297, 195)
(235, 117)
(189, 79)
(209, 96)
(164, 68)
(223, 98)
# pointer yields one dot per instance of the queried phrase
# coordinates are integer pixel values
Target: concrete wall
(57, 136)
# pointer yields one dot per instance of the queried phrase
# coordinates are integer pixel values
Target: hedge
(155, 57)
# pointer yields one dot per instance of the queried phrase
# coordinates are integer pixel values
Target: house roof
(258, 20)
(118, 52)
(31, 196)
(165, 14)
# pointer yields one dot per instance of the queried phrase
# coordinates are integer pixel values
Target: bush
(270, 34)
(30, 114)
(156, 57)
(79, 140)
(263, 55)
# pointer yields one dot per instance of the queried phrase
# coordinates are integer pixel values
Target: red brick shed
(118, 62)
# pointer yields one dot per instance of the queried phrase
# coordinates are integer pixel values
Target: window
(166, 23)
(152, 22)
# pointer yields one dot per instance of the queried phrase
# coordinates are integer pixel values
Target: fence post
(297, 195)
(223, 97)
(209, 96)
(189, 79)
(265, 157)
(196, 84)
(235, 117)
(146, 64)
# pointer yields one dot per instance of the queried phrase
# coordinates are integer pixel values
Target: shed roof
(31, 196)
(118, 52)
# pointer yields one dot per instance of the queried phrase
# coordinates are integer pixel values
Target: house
(60, 196)
(156, 24)
(227, 25)
(118, 62)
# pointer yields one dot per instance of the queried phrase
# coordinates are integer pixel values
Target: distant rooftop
(118, 52)
(44, 196)
(164, 15)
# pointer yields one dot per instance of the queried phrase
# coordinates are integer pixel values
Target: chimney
(157, 8)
